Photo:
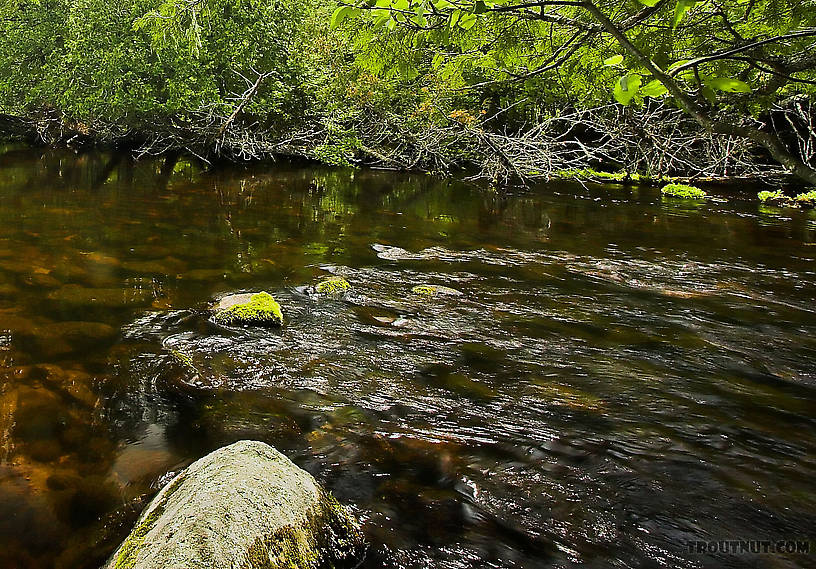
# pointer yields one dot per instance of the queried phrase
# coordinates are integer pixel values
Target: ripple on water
(614, 379)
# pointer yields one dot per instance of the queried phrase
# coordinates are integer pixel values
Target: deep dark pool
(622, 374)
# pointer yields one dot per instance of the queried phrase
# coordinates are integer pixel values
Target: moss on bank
(778, 198)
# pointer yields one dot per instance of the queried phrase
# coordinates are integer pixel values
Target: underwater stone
(435, 290)
(259, 309)
(245, 505)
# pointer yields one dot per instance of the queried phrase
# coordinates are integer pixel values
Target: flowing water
(620, 375)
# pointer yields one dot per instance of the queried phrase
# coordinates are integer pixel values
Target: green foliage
(115, 66)
(683, 191)
(487, 44)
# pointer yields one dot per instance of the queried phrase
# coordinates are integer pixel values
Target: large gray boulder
(244, 506)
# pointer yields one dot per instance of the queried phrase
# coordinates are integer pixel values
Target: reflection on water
(620, 374)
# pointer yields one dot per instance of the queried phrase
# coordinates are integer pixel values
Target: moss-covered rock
(683, 191)
(806, 199)
(259, 309)
(332, 286)
(243, 506)
(435, 290)
(778, 198)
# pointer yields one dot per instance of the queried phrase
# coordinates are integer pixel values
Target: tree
(725, 63)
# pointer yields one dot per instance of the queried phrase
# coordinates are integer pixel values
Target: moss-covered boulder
(683, 191)
(778, 198)
(258, 309)
(243, 506)
(332, 286)
(435, 290)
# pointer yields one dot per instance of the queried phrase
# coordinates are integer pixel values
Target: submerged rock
(259, 309)
(245, 505)
(75, 295)
(435, 290)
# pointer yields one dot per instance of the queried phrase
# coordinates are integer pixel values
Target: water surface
(621, 373)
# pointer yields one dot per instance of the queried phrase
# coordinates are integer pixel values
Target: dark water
(620, 375)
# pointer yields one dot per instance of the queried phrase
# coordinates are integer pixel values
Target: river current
(622, 376)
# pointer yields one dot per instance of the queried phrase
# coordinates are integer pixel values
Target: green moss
(130, 548)
(806, 199)
(328, 535)
(683, 191)
(777, 198)
(184, 359)
(424, 289)
(333, 286)
(435, 290)
(589, 174)
(769, 197)
(262, 309)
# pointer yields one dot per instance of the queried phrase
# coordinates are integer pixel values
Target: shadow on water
(619, 375)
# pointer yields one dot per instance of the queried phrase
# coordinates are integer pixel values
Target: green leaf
(454, 18)
(654, 89)
(479, 7)
(340, 14)
(728, 85)
(680, 10)
(614, 60)
(381, 17)
(649, 3)
(709, 94)
(467, 21)
(420, 20)
(626, 88)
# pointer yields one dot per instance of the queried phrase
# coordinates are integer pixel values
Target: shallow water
(620, 375)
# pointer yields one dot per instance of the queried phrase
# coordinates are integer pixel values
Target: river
(622, 374)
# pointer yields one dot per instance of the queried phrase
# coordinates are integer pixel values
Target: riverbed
(613, 377)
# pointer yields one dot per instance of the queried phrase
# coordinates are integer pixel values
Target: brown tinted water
(620, 375)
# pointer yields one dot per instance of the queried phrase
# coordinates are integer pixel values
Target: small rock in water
(244, 505)
(435, 290)
(332, 286)
(256, 309)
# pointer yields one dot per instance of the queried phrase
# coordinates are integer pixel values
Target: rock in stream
(242, 506)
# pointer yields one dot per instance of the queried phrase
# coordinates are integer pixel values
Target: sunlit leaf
(681, 8)
(341, 14)
(626, 88)
(728, 85)
(653, 89)
(614, 60)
